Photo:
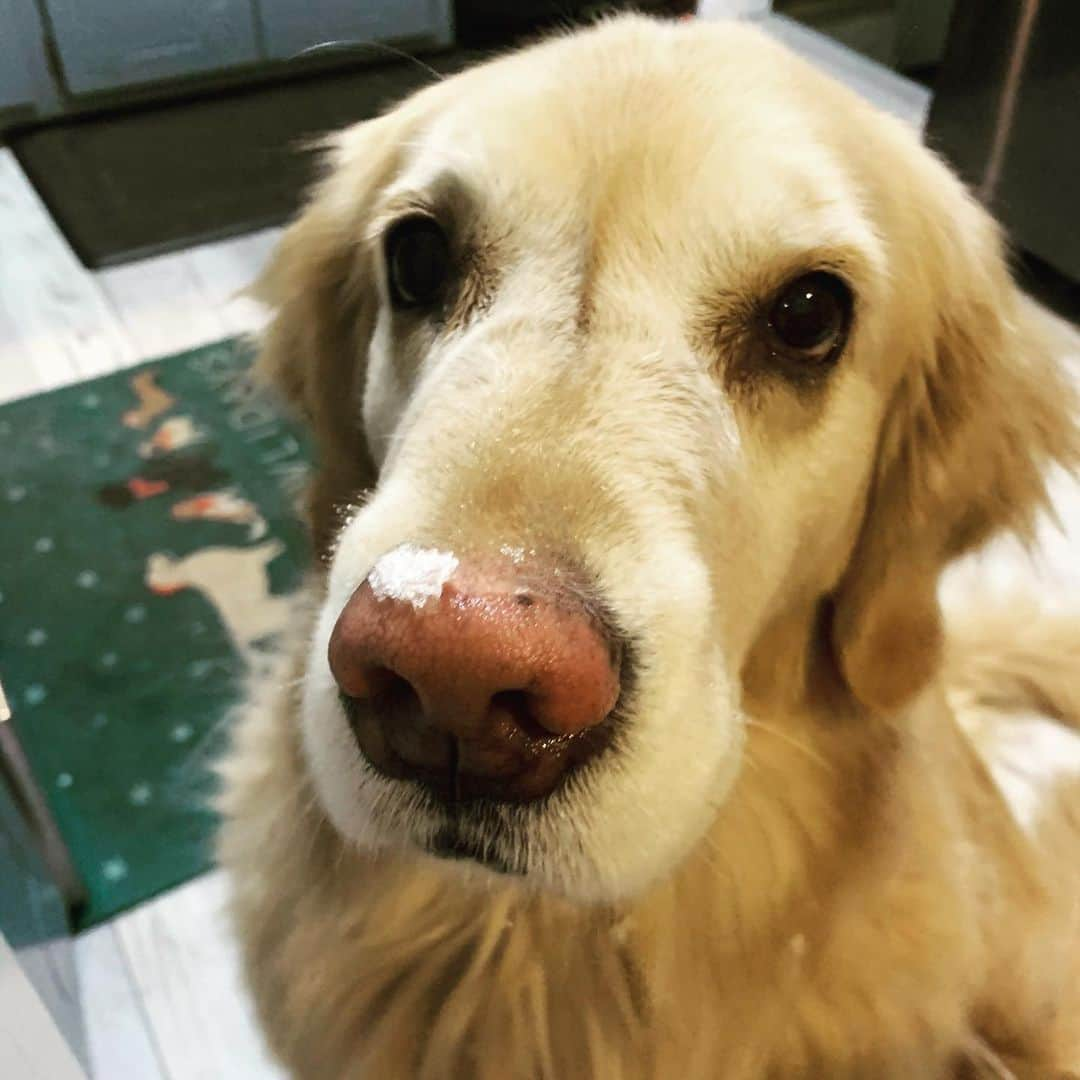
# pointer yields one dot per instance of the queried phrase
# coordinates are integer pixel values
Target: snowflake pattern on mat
(181, 733)
(87, 579)
(65, 780)
(115, 869)
(44, 544)
(35, 694)
(141, 794)
(37, 637)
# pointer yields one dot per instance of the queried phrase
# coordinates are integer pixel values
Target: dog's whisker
(791, 741)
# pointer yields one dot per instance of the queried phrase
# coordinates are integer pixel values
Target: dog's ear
(982, 408)
(319, 284)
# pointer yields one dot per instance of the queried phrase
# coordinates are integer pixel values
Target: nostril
(523, 709)
(392, 694)
(404, 741)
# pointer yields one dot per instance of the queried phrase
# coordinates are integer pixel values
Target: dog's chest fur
(399, 966)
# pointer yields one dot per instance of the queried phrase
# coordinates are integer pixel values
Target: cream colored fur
(800, 859)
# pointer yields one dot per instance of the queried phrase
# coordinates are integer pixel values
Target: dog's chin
(488, 845)
(450, 845)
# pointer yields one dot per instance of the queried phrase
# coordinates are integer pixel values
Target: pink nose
(484, 684)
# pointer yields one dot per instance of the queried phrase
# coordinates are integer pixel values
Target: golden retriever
(655, 379)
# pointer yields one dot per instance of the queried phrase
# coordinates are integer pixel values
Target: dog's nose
(480, 680)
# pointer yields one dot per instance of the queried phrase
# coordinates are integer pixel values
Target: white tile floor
(160, 984)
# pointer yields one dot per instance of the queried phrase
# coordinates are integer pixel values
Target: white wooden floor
(160, 985)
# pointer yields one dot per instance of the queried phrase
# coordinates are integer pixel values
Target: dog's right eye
(810, 317)
(417, 261)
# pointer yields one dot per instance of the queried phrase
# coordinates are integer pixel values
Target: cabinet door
(15, 87)
(24, 70)
(288, 26)
(104, 44)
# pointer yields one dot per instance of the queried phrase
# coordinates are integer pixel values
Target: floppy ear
(318, 282)
(982, 409)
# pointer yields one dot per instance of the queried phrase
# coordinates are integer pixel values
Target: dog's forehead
(608, 132)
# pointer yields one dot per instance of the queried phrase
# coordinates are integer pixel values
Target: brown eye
(417, 261)
(811, 315)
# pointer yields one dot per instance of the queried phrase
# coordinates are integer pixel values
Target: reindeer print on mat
(153, 401)
(225, 506)
(234, 580)
(176, 433)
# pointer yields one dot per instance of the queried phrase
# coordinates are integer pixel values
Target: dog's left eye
(810, 316)
(417, 261)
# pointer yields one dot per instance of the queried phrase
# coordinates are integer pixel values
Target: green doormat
(147, 546)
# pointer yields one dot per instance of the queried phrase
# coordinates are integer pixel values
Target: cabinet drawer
(111, 43)
(289, 26)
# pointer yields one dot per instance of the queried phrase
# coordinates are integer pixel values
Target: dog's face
(664, 305)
